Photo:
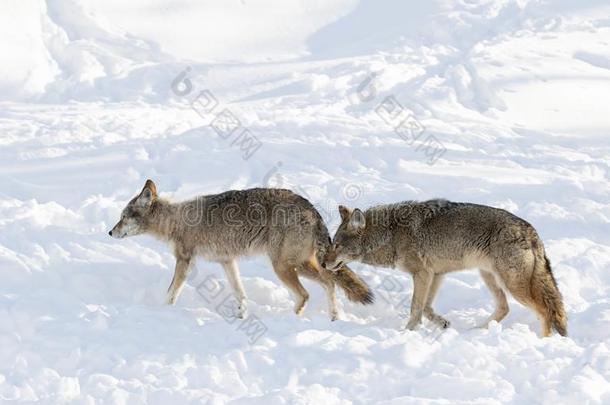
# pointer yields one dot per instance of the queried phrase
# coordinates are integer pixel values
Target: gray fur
(224, 227)
(429, 239)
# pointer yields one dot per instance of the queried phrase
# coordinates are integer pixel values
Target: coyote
(429, 239)
(229, 225)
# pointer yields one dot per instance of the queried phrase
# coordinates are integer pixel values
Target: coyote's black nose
(323, 265)
(110, 233)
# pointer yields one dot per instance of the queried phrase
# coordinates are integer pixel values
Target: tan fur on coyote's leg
(332, 301)
(232, 271)
(441, 236)
(428, 311)
(517, 276)
(422, 279)
(288, 275)
(522, 293)
(285, 226)
(324, 277)
(183, 267)
(499, 296)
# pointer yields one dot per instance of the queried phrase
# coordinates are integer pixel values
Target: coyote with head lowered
(224, 227)
(429, 239)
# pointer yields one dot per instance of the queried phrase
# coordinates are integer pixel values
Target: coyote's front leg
(232, 272)
(422, 280)
(183, 267)
(428, 311)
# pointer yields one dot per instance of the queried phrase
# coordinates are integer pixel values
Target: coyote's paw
(299, 309)
(412, 325)
(242, 311)
(441, 322)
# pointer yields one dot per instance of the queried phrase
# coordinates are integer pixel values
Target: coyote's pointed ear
(148, 194)
(357, 220)
(344, 212)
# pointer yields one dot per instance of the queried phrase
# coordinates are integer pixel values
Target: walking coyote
(429, 239)
(226, 226)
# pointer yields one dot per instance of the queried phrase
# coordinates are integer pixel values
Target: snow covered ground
(513, 98)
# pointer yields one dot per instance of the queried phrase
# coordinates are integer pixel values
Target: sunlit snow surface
(516, 96)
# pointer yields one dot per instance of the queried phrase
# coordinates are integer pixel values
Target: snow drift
(510, 104)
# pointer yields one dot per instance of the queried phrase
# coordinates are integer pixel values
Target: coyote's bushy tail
(545, 290)
(355, 288)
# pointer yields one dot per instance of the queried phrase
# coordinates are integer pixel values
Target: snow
(514, 102)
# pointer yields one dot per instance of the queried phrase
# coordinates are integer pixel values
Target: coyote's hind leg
(322, 276)
(499, 296)
(287, 273)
